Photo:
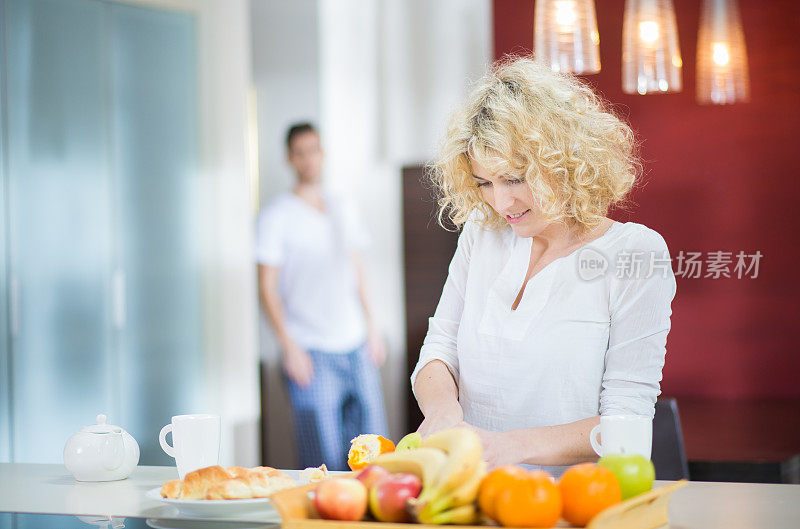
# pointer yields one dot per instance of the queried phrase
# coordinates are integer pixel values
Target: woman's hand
(298, 364)
(498, 447)
(441, 420)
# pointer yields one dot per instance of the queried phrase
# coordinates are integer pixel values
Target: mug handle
(593, 438)
(162, 440)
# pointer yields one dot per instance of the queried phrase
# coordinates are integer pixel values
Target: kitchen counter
(50, 489)
(37, 488)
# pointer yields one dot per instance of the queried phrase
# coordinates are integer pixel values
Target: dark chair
(669, 454)
(790, 470)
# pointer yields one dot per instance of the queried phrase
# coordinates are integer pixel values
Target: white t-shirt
(318, 282)
(575, 347)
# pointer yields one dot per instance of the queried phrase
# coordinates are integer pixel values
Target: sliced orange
(387, 445)
(365, 448)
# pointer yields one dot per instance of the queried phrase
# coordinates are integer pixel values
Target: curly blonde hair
(526, 121)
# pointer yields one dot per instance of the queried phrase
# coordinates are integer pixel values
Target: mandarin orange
(497, 480)
(587, 489)
(531, 501)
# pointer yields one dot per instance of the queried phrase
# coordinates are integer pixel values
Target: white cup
(623, 434)
(195, 441)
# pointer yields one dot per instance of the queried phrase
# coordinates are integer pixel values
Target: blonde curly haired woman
(540, 329)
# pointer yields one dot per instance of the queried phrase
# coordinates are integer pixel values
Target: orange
(530, 501)
(497, 480)
(387, 445)
(365, 448)
(587, 489)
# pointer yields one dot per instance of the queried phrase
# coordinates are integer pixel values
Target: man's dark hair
(296, 130)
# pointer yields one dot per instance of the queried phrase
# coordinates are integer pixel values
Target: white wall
(429, 53)
(350, 43)
(231, 305)
(391, 71)
(285, 56)
(386, 75)
(285, 43)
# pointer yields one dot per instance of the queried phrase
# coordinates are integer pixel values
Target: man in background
(311, 285)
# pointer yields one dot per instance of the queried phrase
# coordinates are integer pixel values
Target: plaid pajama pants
(343, 400)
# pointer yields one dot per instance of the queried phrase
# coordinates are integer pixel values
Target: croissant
(172, 489)
(197, 483)
(237, 472)
(314, 474)
(217, 483)
(254, 484)
(230, 489)
(272, 482)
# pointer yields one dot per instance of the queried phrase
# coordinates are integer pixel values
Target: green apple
(635, 473)
(409, 442)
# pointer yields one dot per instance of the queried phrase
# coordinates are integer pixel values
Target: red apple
(388, 497)
(370, 475)
(341, 499)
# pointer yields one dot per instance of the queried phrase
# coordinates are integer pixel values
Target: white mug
(623, 434)
(195, 441)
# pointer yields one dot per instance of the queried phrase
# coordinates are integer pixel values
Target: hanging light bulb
(566, 37)
(651, 57)
(722, 73)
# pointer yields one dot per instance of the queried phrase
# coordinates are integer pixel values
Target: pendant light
(565, 35)
(651, 57)
(722, 73)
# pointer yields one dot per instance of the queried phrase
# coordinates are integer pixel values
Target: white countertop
(50, 489)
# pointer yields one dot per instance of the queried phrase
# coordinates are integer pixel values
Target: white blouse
(583, 341)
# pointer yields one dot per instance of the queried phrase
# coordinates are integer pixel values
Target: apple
(341, 499)
(409, 442)
(634, 472)
(370, 475)
(388, 497)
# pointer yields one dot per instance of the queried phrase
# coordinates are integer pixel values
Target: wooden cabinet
(427, 251)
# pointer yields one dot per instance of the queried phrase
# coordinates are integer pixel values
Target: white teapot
(101, 452)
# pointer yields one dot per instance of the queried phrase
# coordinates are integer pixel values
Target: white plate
(166, 523)
(217, 508)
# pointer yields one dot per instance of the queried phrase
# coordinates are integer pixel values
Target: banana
(464, 494)
(463, 515)
(450, 466)
(464, 454)
(423, 462)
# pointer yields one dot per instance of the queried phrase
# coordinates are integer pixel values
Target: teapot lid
(101, 426)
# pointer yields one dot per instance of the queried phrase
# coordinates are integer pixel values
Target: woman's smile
(517, 217)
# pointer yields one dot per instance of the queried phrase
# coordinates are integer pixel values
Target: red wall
(717, 178)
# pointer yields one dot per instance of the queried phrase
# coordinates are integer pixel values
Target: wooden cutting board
(645, 511)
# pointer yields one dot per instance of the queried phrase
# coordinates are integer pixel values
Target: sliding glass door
(5, 386)
(159, 214)
(59, 234)
(105, 224)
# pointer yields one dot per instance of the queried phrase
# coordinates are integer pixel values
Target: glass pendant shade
(722, 73)
(566, 37)
(651, 57)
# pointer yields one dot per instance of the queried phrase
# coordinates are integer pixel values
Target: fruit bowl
(645, 511)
